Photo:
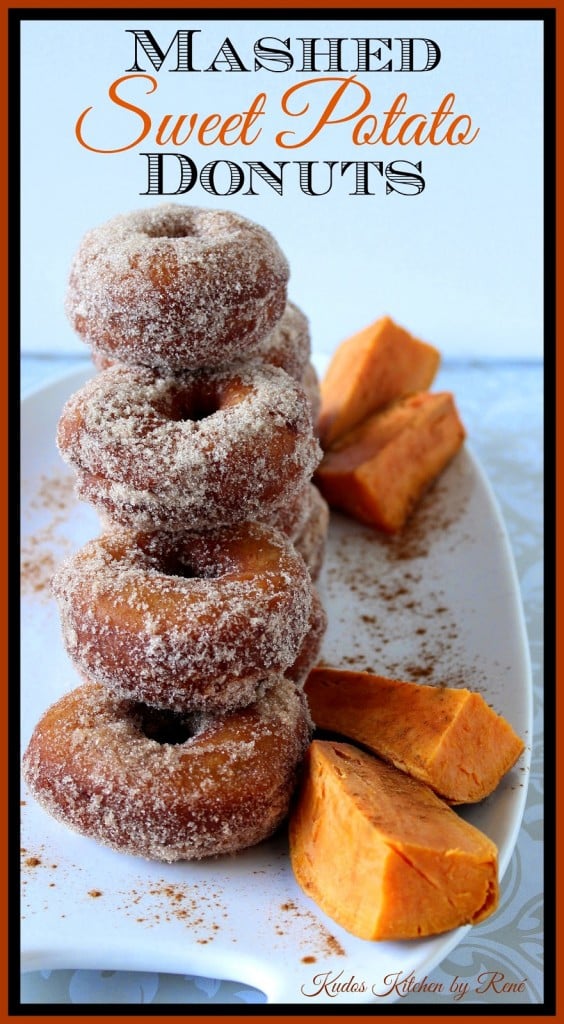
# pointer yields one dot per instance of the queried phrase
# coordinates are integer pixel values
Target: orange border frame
(324, 5)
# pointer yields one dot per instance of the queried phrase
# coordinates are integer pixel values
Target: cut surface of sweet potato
(369, 370)
(378, 472)
(448, 738)
(381, 854)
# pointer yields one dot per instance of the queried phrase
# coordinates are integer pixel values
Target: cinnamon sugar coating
(311, 645)
(166, 788)
(288, 346)
(311, 541)
(292, 514)
(177, 287)
(310, 383)
(191, 451)
(186, 622)
(306, 521)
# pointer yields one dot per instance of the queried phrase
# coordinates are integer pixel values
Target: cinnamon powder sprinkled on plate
(316, 935)
(42, 550)
(406, 627)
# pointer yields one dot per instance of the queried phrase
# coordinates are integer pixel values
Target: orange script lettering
(175, 129)
(349, 104)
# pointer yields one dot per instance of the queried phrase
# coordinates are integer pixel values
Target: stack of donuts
(193, 619)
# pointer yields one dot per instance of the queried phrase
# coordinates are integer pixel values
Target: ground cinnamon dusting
(316, 936)
(37, 564)
(42, 550)
(408, 630)
(190, 904)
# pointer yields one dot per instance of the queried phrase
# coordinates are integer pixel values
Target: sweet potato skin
(381, 854)
(378, 472)
(369, 370)
(448, 738)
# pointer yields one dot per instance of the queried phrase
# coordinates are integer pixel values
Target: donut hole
(180, 557)
(191, 403)
(201, 398)
(166, 727)
(176, 566)
(192, 407)
(179, 569)
(170, 227)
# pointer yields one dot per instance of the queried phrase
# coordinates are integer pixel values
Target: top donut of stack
(177, 287)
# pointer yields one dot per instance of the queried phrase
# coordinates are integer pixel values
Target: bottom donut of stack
(186, 738)
(163, 786)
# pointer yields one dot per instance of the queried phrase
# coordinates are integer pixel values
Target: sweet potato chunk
(381, 854)
(378, 472)
(381, 363)
(448, 738)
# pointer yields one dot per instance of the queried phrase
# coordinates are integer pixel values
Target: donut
(158, 785)
(310, 383)
(287, 346)
(187, 622)
(291, 516)
(103, 362)
(311, 541)
(177, 287)
(191, 451)
(310, 650)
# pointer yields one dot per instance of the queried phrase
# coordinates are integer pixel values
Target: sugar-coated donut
(177, 287)
(188, 622)
(156, 785)
(311, 645)
(311, 541)
(306, 521)
(190, 451)
(310, 383)
(288, 346)
(291, 516)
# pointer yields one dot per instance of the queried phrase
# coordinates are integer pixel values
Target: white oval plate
(439, 605)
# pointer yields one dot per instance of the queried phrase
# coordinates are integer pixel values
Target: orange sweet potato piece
(374, 367)
(381, 854)
(378, 472)
(448, 738)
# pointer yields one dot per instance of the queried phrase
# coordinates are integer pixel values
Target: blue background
(460, 264)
